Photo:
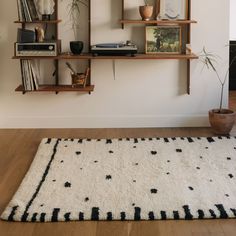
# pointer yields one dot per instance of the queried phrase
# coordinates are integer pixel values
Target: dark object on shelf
(46, 17)
(112, 49)
(25, 36)
(76, 47)
(232, 70)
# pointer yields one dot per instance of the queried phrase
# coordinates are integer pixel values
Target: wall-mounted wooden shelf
(184, 24)
(158, 22)
(89, 56)
(39, 22)
(57, 89)
(149, 57)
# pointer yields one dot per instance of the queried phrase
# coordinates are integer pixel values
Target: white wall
(232, 20)
(144, 93)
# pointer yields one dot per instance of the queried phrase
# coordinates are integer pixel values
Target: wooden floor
(17, 149)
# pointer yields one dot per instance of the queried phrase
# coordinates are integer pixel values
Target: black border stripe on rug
(25, 214)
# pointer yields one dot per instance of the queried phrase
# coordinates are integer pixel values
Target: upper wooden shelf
(89, 56)
(39, 22)
(158, 22)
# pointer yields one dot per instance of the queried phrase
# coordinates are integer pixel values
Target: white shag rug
(128, 179)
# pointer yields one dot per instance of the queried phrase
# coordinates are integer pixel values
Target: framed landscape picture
(163, 39)
(174, 9)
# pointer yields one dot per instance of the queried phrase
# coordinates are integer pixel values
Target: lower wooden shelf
(57, 89)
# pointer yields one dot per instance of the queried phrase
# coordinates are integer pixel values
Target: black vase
(76, 47)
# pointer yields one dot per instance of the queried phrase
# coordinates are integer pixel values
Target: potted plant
(76, 47)
(221, 119)
(146, 11)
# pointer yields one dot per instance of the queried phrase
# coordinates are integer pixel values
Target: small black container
(76, 47)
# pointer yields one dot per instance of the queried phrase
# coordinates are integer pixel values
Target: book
(26, 11)
(29, 75)
(32, 10)
(20, 17)
(21, 7)
(22, 74)
(34, 76)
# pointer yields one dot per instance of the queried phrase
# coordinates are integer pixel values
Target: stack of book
(30, 75)
(27, 10)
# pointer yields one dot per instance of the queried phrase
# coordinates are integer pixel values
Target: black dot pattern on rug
(66, 146)
(81, 168)
(206, 147)
(67, 185)
(168, 161)
(198, 168)
(133, 204)
(134, 146)
(62, 161)
(211, 180)
(78, 153)
(108, 177)
(168, 173)
(229, 158)
(95, 161)
(86, 199)
(134, 181)
(191, 188)
(136, 164)
(231, 176)
(111, 152)
(227, 195)
(201, 157)
(41, 205)
(179, 150)
(109, 141)
(153, 191)
(54, 180)
(153, 152)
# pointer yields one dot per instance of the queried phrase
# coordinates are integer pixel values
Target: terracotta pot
(146, 12)
(223, 122)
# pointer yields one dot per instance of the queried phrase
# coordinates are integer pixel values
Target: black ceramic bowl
(76, 47)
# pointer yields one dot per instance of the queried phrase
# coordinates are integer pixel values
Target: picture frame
(174, 9)
(163, 40)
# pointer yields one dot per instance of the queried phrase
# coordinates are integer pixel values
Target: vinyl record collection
(30, 75)
(27, 10)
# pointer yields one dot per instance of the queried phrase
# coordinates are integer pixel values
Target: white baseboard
(104, 122)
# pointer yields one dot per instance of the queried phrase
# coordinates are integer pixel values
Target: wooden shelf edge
(59, 88)
(38, 22)
(150, 57)
(135, 57)
(31, 58)
(158, 22)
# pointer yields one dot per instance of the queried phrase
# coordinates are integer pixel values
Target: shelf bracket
(188, 76)
(114, 68)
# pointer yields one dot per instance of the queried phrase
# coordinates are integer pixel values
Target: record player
(114, 49)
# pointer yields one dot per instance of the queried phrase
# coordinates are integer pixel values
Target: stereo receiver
(44, 49)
